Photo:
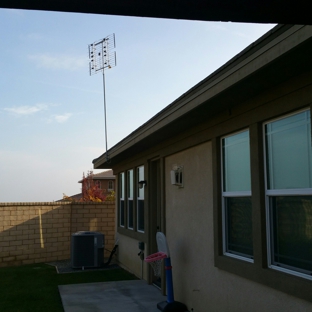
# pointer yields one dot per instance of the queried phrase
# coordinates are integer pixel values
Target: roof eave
(257, 56)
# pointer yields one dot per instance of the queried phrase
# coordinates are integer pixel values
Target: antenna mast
(102, 57)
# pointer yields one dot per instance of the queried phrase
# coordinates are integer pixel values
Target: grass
(34, 287)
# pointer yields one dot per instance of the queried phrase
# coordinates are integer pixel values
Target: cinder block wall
(98, 217)
(41, 232)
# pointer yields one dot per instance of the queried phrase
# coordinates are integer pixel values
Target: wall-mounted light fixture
(176, 175)
(142, 183)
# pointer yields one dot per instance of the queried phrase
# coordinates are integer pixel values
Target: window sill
(291, 272)
(132, 233)
(227, 254)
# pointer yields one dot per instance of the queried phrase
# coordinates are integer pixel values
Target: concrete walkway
(123, 296)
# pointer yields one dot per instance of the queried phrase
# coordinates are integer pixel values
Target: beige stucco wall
(189, 230)
(128, 256)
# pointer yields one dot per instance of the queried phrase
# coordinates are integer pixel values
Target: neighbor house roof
(75, 197)
(281, 53)
(105, 175)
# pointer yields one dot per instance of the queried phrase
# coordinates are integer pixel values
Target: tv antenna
(102, 57)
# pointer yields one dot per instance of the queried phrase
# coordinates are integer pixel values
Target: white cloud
(26, 110)
(58, 62)
(62, 118)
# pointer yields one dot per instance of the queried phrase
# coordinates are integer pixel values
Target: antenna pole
(105, 122)
(102, 57)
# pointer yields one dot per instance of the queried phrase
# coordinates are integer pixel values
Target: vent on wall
(87, 249)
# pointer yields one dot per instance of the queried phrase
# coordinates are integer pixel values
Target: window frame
(134, 231)
(121, 197)
(140, 198)
(110, 185)
(270, 194)
(231, 194)
(258, 272)
(130, 198)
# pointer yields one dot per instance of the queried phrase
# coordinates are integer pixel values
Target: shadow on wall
(41, 232)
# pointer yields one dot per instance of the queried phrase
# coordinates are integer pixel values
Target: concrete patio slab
(122, 296)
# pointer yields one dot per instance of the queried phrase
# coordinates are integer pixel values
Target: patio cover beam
(250, 11)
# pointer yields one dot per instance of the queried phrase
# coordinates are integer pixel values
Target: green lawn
(34, 287)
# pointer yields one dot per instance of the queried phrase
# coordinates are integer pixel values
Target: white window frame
(130, 197)
(110, 185)
(138, 178)
(279, 192)
(121, 198)
(227, 194)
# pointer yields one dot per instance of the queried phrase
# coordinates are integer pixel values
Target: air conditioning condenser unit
(87, 250)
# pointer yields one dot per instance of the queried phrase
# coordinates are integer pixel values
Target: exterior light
(142, 183)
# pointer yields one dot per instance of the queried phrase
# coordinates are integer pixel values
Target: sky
(51, 109)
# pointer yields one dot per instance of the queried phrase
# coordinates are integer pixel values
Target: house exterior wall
(189, 231)
(189, 225)
(104, 185)
(128, 256)
(259, 87)
(128, 239)
(203, 277)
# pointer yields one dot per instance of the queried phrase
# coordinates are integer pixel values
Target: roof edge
(250, 50)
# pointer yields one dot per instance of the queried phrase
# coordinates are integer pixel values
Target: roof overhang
(282, 53)
(255, 11)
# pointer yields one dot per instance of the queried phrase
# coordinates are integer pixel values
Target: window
(110, 186)
(122, 199)
(289, 193)
(236, 194)
(130, 198)
(140, 200)
(131, 202)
